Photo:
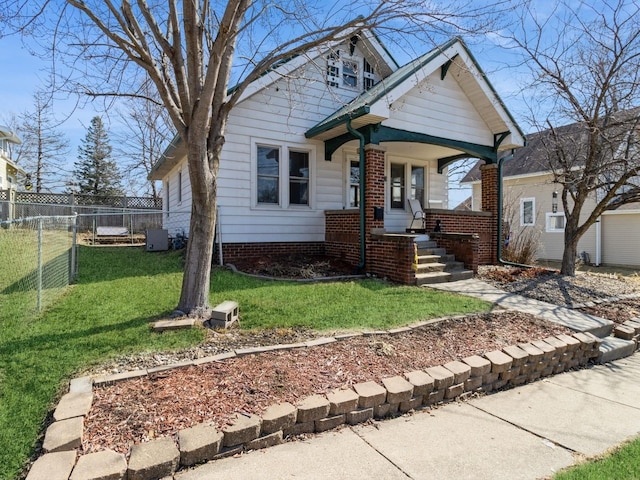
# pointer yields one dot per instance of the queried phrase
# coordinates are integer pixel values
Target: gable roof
(374, 105)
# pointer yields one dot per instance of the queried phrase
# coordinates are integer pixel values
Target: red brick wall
(490, 203)
(342, 235)
(481, 224)
(465, 247)
(242, 251)
(374, 186)
(392, 257)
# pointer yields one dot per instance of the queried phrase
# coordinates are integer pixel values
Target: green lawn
(622, 464)
(120, 290)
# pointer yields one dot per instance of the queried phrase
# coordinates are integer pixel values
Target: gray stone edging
(513, 365)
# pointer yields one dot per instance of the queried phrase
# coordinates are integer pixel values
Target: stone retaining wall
(512, 366)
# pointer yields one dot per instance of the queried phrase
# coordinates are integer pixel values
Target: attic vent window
(350, 73)
(369, 76)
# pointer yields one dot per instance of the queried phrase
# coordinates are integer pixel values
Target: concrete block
(223, 315)
(518, 380)
(411, 404)
(520, 357)
(442, 378)
(312, 408)
(535, 354)
(199, 443)
(548, 350)
(342, 401)
(500, 361)
(266, 441)
(489, 378)
(106, 465)
(300, 428)
(560, 345)
(434, 397)
(382, 410)
(573, 344)
(461, 371)
(585, 340)
(479, 366)
(173, 324)
(81, 385)
(394, 408)
(625, 332)
(324, 424)
(472, 384)
(64, 435)
(398, 389)
(359, 416)
(53, 466)
(73, 405)
(454, 391)
(422, 383)
(244, 429)
(635, 324)
(371, 394)
(280, 416)
(152, 460)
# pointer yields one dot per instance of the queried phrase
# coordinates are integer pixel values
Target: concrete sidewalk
(527, 432)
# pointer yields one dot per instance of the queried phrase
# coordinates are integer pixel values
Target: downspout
(598, 241)
(360, 138)
(500, 200)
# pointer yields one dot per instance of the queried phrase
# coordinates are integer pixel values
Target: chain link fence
(39, 261)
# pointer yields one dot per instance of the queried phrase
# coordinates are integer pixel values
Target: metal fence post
(40, 264)
(73, 274)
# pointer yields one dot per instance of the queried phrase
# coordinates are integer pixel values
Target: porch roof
(374, 106)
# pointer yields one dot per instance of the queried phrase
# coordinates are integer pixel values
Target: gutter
(360, 138)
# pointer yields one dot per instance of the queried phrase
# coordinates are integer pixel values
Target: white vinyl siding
(620, 230)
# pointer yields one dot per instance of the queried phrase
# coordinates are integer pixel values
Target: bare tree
(44, 148)
(148, 131)
(191, 50)
(585, 61)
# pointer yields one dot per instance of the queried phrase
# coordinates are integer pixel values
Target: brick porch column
(489, 187)
(374, 191)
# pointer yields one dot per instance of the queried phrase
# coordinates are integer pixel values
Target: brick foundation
(232, 252)
(342, 235)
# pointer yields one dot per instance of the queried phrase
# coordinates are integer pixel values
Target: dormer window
(350, 73)
(344, 70)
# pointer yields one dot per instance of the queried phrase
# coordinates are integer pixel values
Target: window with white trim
(397, 186)
(527, 212)
(417, 183)
(555, 222)
(350, 71)
(298, 177)
(268, 175)
(354, 183)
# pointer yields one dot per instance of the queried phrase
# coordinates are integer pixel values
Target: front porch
(466, 241)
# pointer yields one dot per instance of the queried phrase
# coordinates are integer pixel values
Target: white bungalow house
(291, 174)
(532, 203)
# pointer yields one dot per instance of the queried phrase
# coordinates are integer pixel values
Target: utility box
(157, 240)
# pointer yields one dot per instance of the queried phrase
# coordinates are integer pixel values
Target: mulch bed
(161, 404)
(618, 312)
(296, 266)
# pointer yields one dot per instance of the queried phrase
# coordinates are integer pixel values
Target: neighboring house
(529, 198)
(289, 178)
(8, 170)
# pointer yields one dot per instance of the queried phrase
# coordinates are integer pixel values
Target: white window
(417, 183)
(353, 72)
(555, 222)
(354, 182)
(282, 175)
(527, 212)
(397, 185)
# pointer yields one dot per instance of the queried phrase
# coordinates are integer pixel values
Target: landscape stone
(300, 428)
(519, 356)
(421, 381)
(280, 416)
(151, 460)
(73, 405)
(479, 366)
(411, 404)
(199, 443)
(64, 435)
(434, 397)
(359, 416)
(500, 361)
(442, 378)
(472, 384)
(535, 354)
(214, 358)
(559, 345)
(173, 324)
(81, 385)
(625, 332)
(382, 410)
(53, 466)
(342, 401)
(105, 465)
(398, 389)
(454, 391)
(371, 394)
(319, 341)
(312, 408)
(549, 351)
(266, 441)
(324, 424)
(461, 371)
(244, 429)
(573, 344)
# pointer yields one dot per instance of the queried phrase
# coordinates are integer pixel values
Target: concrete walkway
(576, 321)
(528, 432)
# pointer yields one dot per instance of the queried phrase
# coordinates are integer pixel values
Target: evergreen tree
(95, 172)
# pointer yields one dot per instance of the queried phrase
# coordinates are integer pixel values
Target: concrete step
(453, 265)
(613, 348)
(431, 267)
(428, 259)
(426, 244)
(431, 251)
(441, 277)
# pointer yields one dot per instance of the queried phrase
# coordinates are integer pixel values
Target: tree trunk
(194, 298)
(570, 250)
